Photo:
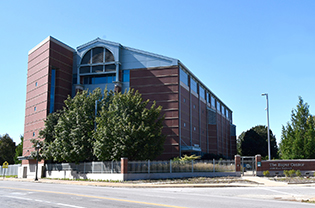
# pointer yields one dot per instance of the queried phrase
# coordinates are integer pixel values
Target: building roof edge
(50, 38)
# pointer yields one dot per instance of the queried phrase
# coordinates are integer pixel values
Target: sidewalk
(264, 181)
(257, 181)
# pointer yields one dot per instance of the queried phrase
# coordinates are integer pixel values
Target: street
(30, 194)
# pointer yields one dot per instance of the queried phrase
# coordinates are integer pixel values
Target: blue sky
(239, 49)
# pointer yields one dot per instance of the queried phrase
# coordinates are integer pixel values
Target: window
(194, 106)
(194, 128)
(202, 92)
(183, 76)
(212, 101)
(34, 109)
(227, 113)
(218, 106)
(193, 85)
(208, 98)
(184, 100)
(125, 75)
(35, 84)
(33, 134)
(99, 79)
(52, 90)
(97, 60)
(222, 110)
(184, 124)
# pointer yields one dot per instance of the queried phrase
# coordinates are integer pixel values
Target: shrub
(266, 173)
(298, 173)
(291, 173)
(286, 173)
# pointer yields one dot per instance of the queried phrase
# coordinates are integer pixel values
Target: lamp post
(266, 94)
(37, 149)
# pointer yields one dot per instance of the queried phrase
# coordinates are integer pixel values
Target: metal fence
(86, 167)
(12, 170)
(181, 166)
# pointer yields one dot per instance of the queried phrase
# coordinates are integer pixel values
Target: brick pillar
(258, 165)
(237, 163)
(124, 165)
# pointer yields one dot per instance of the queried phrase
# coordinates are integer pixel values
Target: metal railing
(86, 167)
(12, 170)
(181, 166)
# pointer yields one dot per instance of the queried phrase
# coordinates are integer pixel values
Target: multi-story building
(196, 120)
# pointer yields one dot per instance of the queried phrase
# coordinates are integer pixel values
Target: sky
(238, 49)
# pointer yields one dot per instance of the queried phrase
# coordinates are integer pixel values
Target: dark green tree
(255, 141)
(129, 128)
(19, 151)
(298, 136)
(7, 149)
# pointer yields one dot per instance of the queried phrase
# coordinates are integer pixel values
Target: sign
(258, 164)
(5, 164)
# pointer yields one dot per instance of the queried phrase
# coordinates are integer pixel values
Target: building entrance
(248, 165)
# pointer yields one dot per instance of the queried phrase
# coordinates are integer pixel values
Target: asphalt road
(14, 194)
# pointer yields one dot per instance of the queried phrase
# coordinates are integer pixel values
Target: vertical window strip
(52, 90)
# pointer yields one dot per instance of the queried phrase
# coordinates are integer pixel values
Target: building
(196, 120)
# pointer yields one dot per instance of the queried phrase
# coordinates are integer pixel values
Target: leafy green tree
(128, 128)
(19, 151)
(71, 138)
(7, 149)
(298, 136)
(255, 141)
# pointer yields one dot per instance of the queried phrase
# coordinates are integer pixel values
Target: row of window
(97, 55)
(184, 78)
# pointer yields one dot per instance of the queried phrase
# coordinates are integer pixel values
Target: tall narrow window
(125, 75)
(52, 90)
(193, 85)
(183, 76)
(202, 92)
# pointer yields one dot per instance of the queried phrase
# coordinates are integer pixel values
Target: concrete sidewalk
(262, 181)
(249, 181)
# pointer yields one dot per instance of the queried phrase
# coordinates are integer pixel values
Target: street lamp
(266, 94)
(37, 149)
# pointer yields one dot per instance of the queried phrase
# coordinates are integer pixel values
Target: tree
(298, 137)
(19, 151)
(127, 128)
(7, 149)
(69, 133)
(255, 141)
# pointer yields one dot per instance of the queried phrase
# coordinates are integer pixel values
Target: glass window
(97, 69)
(98, 54)
(202, 92)
(227, 113)
(52, 90)
(212, 101)
(33, 134)
(218, 106)
(34, 108)
(193, 85)
(222, 110)
(35, 84)
(84, 69)
(109, 57)
(111, 67)
(183, 76)
(208, 98)
(86, 58)
(125, 75)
